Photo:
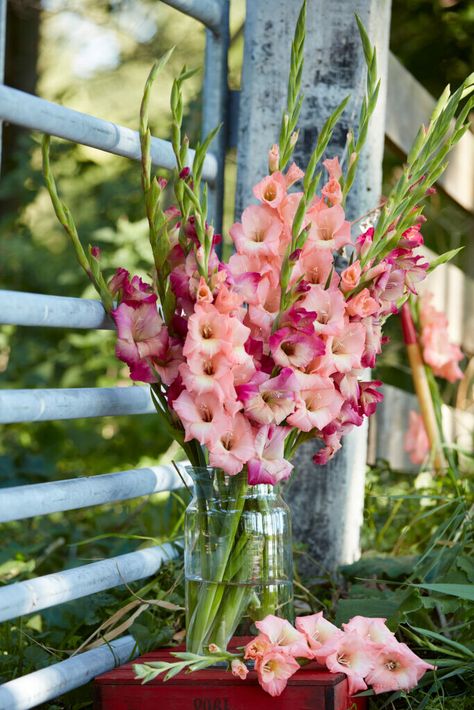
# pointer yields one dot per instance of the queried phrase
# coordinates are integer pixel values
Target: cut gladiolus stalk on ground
(365, 650)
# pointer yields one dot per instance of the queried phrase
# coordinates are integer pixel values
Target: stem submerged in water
(237, 570)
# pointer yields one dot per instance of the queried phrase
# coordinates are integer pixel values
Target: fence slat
(21, 502)
(31, 690)
(209, 12)
(40, 115)
(53, 589)
(75, 403)
(17, 308)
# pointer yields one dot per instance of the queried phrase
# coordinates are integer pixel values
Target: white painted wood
(209, 12)
(21, 502)
(390, 424)
(17, 308)
(39, 115)
(453, 293)
(75, 403)
(53, 589)
(35, 688)
(409, 105)
(327, 502)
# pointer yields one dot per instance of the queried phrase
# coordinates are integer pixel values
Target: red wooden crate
(311, 688)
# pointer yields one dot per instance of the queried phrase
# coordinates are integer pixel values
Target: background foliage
(94, 56)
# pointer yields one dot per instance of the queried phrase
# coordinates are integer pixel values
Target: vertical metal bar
(214, 107)
(327, 501)
(3, 36)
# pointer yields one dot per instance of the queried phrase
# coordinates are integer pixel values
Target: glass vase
(238, 558)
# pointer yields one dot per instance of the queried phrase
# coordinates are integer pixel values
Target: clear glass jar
(238, 557)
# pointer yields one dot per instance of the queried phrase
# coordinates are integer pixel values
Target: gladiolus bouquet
(248, 359)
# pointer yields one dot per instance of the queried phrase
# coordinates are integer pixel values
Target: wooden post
(327, 502)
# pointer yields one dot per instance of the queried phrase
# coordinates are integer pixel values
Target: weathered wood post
(327, 502)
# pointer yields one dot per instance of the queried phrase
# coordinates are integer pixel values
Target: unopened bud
(294, 138)
(273, 159)
(213, 648)
(95, 252)
(295, 255)
(185, 172)
(162, 182)
(353, 158)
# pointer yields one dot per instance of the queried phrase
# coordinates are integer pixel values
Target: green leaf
(347, 608)
(462, 591)
(443, 639)
(447, 256)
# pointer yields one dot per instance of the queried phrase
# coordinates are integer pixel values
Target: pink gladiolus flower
(329, 306)
(227, 301)
(350, 277)
(364, 242)
(202, 416)
(396, 667)
(329, 229)
(314, 265)
(316, 629)
(293, 174)
(317, 404)
(269, 464)
(333, 168)
(258, 233)
(344, 351)
(208, 331)
(370, 629)
(362, 305)
(203, 373)
(332, 192)
(369, 397)
(140, 337)
(269, 400)
(284, 636)
(441, 355)
(348, 386)
(133, 292)
(271, 190)
(416, 443)
(258, 646)
(292, 348)
(412, 238)
(239, 669)
(348, 653)
(274, 669)
(203, 294)
(287, 209)
(373, 341)
(232, 448)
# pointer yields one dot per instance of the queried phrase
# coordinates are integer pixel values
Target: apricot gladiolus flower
(348, 653)
(284, 636)
(269, 464)
(271, 190)
(316, 629)
(258, 233)
(396, 667)
(239, 669)
(233, 447)
(274, 669)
